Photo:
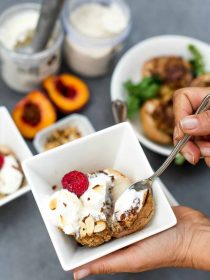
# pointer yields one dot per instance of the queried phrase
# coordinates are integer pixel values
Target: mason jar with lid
(95, 33)
(21, 71)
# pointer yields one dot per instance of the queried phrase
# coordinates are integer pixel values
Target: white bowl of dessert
(13, 150)
(66, 130)
(115, 148)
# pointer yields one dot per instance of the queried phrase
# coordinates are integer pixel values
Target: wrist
(201, 247)
(195, 248)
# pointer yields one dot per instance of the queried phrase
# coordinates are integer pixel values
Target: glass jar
(88, 55)
(21, 71)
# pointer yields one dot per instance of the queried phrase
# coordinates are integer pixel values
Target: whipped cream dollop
(97, 195)
(99, 21)
(67, 210)
(129, 200)
(11, 177)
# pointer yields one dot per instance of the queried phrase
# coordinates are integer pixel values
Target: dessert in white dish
(11, 175)
(89, 154)
(96, 207)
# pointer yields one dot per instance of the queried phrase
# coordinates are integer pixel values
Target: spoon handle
(48, 15)
(119, 111)
(203, 107)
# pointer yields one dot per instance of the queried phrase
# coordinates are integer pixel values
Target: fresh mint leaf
(197, 61)
(138, 93)
(132, 89)
(133, 105)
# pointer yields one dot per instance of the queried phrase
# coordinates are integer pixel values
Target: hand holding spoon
(147, 183)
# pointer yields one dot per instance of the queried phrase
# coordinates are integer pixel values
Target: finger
(178, 133)
(197, 125)
(207, 160)
(191, 152)
(203, 138)
(204, 147)
(185, 102)
(115, 262)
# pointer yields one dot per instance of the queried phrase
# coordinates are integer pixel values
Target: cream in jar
(95, 33)
(21, 71)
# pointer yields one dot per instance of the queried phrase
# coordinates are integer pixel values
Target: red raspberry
(1, 161)
(75, 182)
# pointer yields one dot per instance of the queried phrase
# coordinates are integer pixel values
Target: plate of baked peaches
(146, 78)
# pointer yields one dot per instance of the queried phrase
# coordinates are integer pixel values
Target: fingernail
(176, 133)
(80, 274)
(189, 157)
(205, 151)
(189, 123)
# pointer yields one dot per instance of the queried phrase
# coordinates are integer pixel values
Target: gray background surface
(25, 248)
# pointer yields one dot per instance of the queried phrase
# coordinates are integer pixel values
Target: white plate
(130, 65)
(77, 120)
(10, 137)
(115, 147)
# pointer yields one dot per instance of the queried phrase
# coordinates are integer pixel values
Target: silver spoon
(49, 13)
(147, 183)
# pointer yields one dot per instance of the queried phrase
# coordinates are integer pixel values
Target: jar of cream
(95, 33)
(21, 71)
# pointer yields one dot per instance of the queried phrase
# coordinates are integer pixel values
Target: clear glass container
(87, 55)
(21, 71)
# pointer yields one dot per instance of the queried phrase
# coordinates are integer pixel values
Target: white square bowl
(116, 147)
(77, 120)
(10, 137)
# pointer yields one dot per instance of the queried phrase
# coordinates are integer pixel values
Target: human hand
(186, 245)
(186, 101)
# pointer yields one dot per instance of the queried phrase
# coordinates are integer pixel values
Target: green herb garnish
(140, 92)
(197, 61)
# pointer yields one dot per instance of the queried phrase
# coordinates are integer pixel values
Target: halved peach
(33, 113)
(67, 92)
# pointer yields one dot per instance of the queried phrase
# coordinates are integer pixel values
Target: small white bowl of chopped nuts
(64, 131)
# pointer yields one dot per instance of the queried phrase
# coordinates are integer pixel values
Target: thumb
(119, 261)
(197, 125)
